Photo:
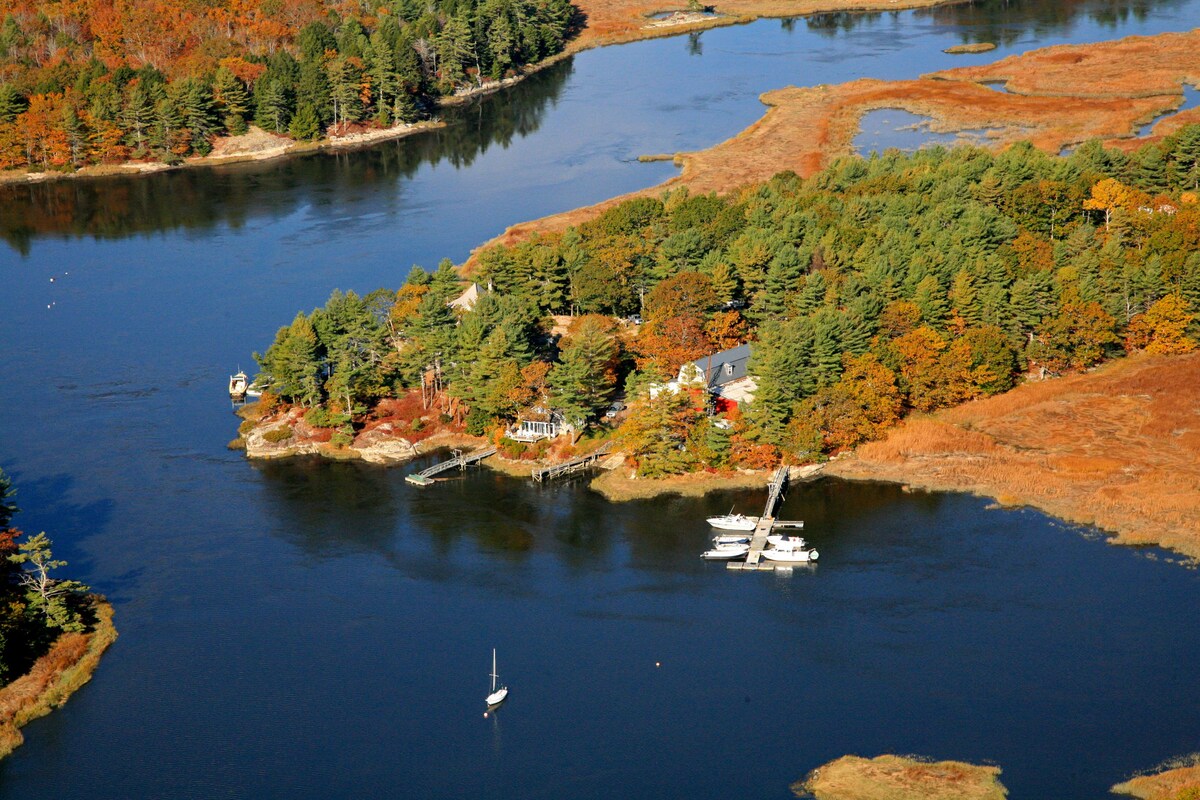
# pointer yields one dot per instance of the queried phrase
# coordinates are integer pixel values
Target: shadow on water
(1005, 22)
(200, 199)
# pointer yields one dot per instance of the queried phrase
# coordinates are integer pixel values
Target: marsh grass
(1118, 448)
(1175, 779)
(890, 777)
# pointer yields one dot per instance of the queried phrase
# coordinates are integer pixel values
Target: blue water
(315, 630)
(1191, 98)
(895, 129)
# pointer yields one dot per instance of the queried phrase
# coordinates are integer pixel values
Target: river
(324, 630)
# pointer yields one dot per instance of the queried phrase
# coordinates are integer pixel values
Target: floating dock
(542, 474)
(758, 542)
(460, 460)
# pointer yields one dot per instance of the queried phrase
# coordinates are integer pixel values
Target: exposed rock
(381, 445)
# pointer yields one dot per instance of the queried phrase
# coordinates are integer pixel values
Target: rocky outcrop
(381, 445)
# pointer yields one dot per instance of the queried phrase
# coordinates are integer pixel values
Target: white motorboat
(730, 538)
(726, 552)
(497, 695)
(734, 522)
(777, 539)
(237, 385)
(790, 550)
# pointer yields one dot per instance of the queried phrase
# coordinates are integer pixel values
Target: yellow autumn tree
(1162, 328)
(1108, 195)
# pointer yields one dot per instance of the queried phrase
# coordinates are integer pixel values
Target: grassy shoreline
(59, 673)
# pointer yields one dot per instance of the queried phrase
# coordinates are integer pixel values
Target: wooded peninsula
(872, 291)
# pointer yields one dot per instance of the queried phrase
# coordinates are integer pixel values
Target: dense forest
(34, 606)
(102, 82)
(903, 282)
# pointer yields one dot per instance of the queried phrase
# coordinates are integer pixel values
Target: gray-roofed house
(725, 374)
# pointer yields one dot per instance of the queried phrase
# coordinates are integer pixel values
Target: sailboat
(497, 696)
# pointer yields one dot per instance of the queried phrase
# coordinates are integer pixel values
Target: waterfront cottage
(725, 375)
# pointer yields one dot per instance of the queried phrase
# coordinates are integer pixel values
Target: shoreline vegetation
(1178, 779)
(82, 131)
(63, 670)
(52, 632)
(1117, 448)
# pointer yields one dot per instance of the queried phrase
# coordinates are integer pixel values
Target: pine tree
(384, 80)
(931, 299)
(586, 375)
(273, 109)
(11, 103)
(724, 279)
(232, 99)
(305, 125)
(965, 298)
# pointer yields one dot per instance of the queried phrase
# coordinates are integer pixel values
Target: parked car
(614, 409)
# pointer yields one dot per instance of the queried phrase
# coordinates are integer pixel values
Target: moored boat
(497, 695)
(237, 385)
(790, 550)
(777, 539)
(726, 552)
(733, 522)
(730, 538)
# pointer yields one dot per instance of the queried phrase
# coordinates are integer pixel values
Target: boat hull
(733, 523)
(790, 556)
(497, 697)
(726, 553)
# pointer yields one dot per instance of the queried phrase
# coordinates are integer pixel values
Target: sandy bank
(255, 145)
(1057, 97)
(895, 778)
(1118, 448)
(54, 677)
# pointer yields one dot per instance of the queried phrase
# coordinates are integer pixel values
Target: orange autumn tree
(674, 333)
(858, 408)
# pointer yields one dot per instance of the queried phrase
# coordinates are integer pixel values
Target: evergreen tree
(232, 99)
(305, 125)
(931, 299)
(273, 107)
(50, 596)
(11, 103)
(290, 366)
(965, 298)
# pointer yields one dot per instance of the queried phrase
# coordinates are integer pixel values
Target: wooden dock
(758, 542)
(460, 460)
(542, 474)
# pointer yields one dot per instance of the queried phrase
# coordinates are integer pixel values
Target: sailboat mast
(493, 670)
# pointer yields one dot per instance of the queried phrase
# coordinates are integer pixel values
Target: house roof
(724, 367)
(466, 300)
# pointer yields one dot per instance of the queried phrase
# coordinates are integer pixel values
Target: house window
(729, 369)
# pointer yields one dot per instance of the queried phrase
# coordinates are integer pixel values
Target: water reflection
(1004, 22)
(235, 195)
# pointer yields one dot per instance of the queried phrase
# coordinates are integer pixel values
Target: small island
(890, 777)
(977, 47)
